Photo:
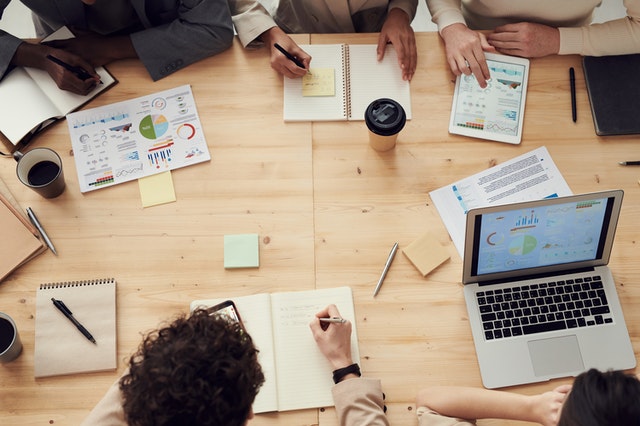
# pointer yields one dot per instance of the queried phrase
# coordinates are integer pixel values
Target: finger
(563, 389)
(324, 313)
(480, 68)
(507, 28)
(333, 311)
(463, 65)
(383, 40)
(412, 60)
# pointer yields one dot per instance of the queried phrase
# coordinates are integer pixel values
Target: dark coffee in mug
(7, 334)
(43, 172)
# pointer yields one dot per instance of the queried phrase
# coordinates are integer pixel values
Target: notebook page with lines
(359, 79)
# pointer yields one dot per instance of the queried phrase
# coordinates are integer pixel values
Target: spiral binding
(67, 284)
(346, 80)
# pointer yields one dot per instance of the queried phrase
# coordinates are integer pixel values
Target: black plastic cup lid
(385, 117)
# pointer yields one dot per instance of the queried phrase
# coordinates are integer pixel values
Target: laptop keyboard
(536, 308)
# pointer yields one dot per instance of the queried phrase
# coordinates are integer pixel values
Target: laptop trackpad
(555, 356)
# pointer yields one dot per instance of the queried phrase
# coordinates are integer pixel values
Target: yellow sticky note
(319, 82)
(157, 189)
(426, 253)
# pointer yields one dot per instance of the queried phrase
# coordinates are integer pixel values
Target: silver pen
(36, 223)
(336, 320)
(386, 268)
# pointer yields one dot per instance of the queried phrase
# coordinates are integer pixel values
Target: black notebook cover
(613, 84)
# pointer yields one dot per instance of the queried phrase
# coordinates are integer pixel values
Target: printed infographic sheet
(136, 138)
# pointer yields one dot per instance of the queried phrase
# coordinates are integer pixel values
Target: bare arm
(475, 403)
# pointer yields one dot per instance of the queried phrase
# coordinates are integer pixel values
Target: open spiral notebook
(344, 80)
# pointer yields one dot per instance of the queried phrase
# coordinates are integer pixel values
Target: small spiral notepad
(60, 348)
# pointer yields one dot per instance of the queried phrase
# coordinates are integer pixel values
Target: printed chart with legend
(136, 138)
(495, 111)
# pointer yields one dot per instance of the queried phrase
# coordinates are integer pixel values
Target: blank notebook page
(371, 80)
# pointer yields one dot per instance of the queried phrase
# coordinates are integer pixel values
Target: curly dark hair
(199, 370)
(610, 398)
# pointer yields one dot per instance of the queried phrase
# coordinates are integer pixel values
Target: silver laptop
(541, 300)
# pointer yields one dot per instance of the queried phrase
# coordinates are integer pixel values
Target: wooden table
(327, 208)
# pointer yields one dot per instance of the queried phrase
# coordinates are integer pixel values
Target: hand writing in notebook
(335, 16)
(333, 338)
(282, 63)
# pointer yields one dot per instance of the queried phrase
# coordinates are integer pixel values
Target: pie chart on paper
(154, 126)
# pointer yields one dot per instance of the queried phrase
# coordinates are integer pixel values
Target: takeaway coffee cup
(385, 118)
(41, 170)
(10, 344)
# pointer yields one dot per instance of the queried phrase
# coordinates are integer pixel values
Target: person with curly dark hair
(198, 370)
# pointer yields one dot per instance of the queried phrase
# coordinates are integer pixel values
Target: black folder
(613, 84)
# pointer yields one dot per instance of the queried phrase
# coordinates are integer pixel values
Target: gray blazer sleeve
(202, 28)
(8, 44)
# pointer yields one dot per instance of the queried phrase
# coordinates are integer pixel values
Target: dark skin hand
(35, 56)
(87, 51)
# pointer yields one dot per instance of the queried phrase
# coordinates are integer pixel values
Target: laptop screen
(541, 236)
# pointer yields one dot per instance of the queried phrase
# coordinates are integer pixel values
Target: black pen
(289, 56)
(572, 82)
(67, 313)
(629, 163)
(36, 223)
(78, 71)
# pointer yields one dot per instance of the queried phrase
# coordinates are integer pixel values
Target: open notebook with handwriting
(60, 348)
(297, 375)
(344, 80)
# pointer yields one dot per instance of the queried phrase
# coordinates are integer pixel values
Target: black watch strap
(341, 372)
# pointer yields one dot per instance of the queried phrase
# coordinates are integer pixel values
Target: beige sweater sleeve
(617, 37)
(359, 402)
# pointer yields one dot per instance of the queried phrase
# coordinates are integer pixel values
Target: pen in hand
(67, 313)
(78, 71)
(290, 57)
(335, 320)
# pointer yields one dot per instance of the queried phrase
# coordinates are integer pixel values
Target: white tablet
(497, 111)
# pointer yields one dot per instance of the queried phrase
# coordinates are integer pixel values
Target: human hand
(397, 31)
(548, 406)
(333, 339)
(95, 48)
(465, 52)
(525, 39)
(279, 62)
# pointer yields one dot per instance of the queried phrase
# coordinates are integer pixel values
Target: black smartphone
(228, 309)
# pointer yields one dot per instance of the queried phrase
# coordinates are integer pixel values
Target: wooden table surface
(327, 209)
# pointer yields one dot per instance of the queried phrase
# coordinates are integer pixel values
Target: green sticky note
(241, 251)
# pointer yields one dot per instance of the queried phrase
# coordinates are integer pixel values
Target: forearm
(251, 20)
(407, 6)
(445, 13)
(475, 403)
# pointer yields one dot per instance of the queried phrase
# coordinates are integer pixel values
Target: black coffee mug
(41, 170)
(10, 344)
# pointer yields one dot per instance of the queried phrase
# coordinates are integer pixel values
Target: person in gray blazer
(166, 35)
